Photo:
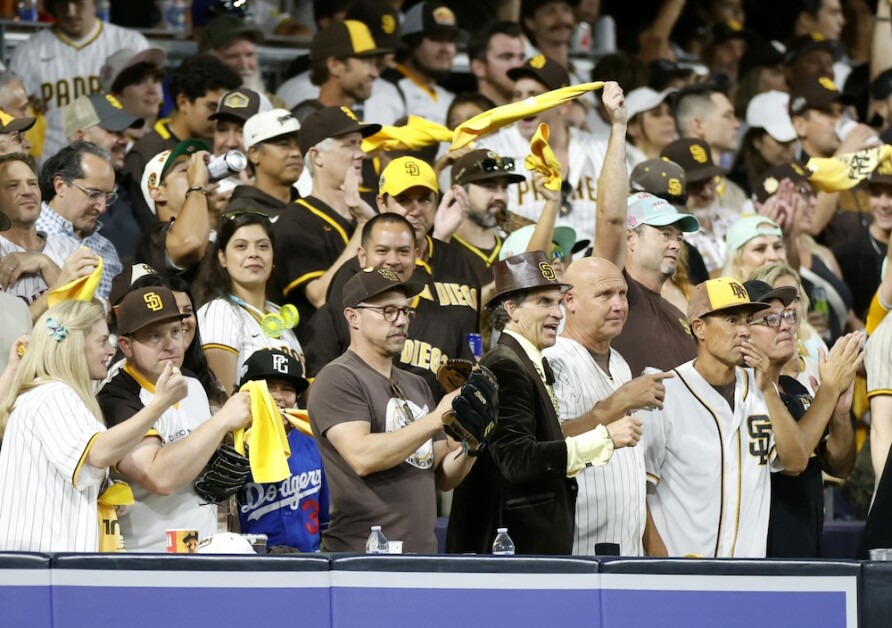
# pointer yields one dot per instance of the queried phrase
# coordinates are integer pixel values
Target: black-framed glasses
(389, 312)
(96, 196)
(236, 213)
(774, 320)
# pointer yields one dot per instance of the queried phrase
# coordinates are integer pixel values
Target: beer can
(229, 163)
(475, 342)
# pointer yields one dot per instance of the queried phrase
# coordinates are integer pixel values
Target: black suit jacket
(521, 481)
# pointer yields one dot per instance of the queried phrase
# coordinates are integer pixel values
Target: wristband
(198, 188)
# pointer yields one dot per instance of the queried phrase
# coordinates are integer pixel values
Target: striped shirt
(31, 287)
(610, 506)
(48, 497)
(53, 224)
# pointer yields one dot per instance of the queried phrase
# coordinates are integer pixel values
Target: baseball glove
(475, 410)
(226, 473)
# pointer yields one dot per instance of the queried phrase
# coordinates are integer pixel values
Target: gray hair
(323, 147)
(68, 164)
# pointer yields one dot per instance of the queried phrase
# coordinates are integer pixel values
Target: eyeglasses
(774, 320)
(389, 312)
(242, 212)
(156, 337)
(96, 196)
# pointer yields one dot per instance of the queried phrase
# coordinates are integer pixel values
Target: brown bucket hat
(525, 271)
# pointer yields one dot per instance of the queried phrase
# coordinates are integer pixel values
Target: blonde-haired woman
(56, 450)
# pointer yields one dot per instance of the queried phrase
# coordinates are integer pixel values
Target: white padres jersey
(57, 69)
(143, 523)
(297, 89)
(586, 154)
(31, 287)
(709, 468)
(48, 497)
(231, 327)
(610, 505)
(385, 105)
(420, 100)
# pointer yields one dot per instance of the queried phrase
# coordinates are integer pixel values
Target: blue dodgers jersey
(293, 512)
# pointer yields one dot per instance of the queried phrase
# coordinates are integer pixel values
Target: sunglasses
(488, 165)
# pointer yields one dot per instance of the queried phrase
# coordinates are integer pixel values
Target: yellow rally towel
(81, 289)
(268, 448)
(843, 172)
(299, 419)
(494, 119)
(110, 537)
(417, 133)
(542, 159)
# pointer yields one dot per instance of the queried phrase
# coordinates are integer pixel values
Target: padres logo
(412, 169)
(114, 102)
(826, 83)
(349, 113)
(674, 187)
(388, 24)
(685, 326)
(699, 154)
(547, 271)
(537, 62)
(771, 185)
(153, 301)
(236, 100)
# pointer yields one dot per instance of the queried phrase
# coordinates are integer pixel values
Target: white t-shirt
(48, 495)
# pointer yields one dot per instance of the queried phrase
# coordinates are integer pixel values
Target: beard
(432, 73)
(485, 219)
(254, 82)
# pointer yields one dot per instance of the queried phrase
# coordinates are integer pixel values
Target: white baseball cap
(269, 124)
(644, 99)
(769, 111)
(226, 543)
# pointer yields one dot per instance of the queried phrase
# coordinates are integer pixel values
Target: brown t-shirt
(656, 332)
(402, 500)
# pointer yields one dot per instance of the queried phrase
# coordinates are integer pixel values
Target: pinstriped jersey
(877, 362)
(586, 154)
(708, 466)
(610, 505)
(57, 69)
(227, 325)
(48, 497)
(31, 287)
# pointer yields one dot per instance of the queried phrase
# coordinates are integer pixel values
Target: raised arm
(613, 183)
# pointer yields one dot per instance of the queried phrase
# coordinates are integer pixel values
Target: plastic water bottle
(377, 543)
(27, 10)
(103, 10)
(502, 545)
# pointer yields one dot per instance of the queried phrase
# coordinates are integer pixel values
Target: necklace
(273, 324)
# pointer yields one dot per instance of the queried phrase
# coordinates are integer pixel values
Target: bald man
(594, 385)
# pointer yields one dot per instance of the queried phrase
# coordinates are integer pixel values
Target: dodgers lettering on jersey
(708, 466)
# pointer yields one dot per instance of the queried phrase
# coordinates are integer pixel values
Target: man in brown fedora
(525, 480)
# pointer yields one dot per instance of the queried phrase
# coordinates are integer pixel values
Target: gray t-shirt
(402, 500)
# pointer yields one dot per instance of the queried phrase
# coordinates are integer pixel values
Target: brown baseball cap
(804, 44)
(370, 282)
(815, 92)
(332, 122)
(694, 157)
(239, 103)
(8, 124)
(522, 272)
(719, 295)
(540, 68)
(145, 306)
(771, 179)
(481, 165)
(660, 177)
(349, 38)
(383, 21)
